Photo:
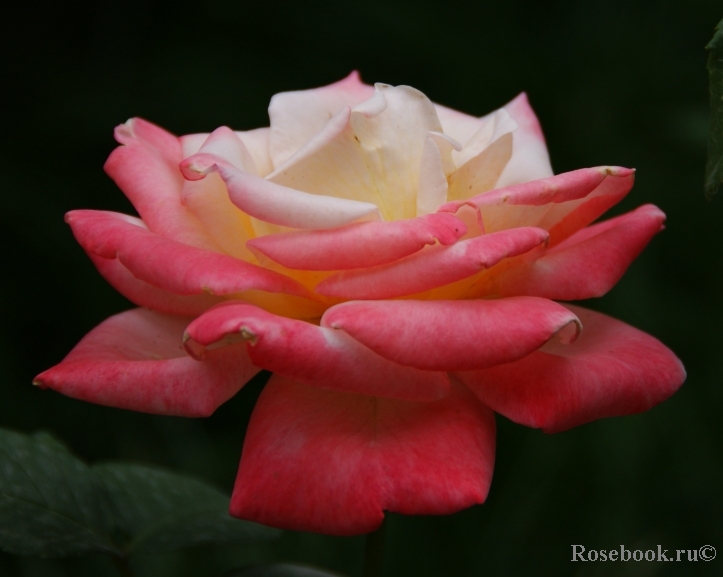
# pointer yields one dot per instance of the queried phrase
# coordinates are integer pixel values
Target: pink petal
(171, 265)
(316, 460)
(589, 263)
(297, 116)
(561, 204)
(529, 160)
(433, 267)
(612, 369)
(359, 245)
(146, 170)
(313, 355)
(278, 204)
(453, 335)
(146, 295)
(134, 360)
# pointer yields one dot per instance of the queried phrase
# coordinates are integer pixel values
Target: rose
(394, 264)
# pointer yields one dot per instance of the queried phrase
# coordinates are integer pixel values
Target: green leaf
(714, 167)
(282, 570)
(51, 504)
(49, 439)
(156, 510)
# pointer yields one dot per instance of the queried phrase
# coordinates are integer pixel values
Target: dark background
(617, 82)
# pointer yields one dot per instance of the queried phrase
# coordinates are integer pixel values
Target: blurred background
(618, 82)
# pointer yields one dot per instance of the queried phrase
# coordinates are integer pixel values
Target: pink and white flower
(396, 265)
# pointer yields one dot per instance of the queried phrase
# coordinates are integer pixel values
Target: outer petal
(561, 204)
(313, 355)
(171, 265)
(453, 335)
(297, 116)
(146, 170)
(529, 160)
(134, 360)
(612, 369)
(146, 295)
(433, 267)
(359, 245)
(316, 460)
(589, 263)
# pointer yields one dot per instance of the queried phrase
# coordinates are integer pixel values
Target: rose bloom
(396, 265)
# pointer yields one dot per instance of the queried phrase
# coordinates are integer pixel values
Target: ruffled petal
(589, 263)
(613, 369)
(453, 335)
(561, 204)
(146, 170)
(433, 267)
(171, 265)
(134, 360)
(297, 116)
(530, 159)
(359, 245)
(317, 460)
(310, 354)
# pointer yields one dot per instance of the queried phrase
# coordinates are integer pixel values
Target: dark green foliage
(53, 505)
(282, 570)
(161, 511)
(714, 167)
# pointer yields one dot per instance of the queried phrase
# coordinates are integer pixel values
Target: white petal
(257, 143)
(272, 203)
(483, 158)
(458, 125)
(299, 115)
(370, 154)
(436, 165)
(529, 160)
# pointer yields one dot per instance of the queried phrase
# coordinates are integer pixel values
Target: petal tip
(569, 333)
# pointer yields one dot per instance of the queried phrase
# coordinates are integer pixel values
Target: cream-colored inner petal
(483, 157)
(435, 167)
(371, 153)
